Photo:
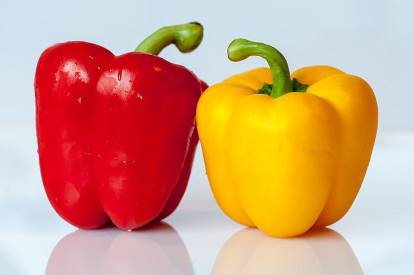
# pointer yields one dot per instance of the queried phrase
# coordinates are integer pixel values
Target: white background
(373, 39)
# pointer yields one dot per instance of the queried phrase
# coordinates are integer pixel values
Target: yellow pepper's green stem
(185, 37)
(240, 49)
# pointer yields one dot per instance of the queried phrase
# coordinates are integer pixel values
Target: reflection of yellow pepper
(322, 252)
(288, 156)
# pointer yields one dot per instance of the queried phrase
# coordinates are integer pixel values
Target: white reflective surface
(374, 238)
(370, 38)
(160, 250)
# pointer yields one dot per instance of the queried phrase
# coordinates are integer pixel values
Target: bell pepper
(116, 134)
(286, 153)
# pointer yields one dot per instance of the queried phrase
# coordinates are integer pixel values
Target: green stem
(185, 37)
(240, 49)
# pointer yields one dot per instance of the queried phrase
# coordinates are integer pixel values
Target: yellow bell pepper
(291, 155)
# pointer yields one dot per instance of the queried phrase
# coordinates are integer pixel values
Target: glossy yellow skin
(287, 164)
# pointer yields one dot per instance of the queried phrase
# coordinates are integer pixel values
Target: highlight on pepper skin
(116, 134)
(286, 152)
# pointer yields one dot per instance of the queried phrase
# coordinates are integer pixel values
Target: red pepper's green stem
(240, 49)
(185, 37)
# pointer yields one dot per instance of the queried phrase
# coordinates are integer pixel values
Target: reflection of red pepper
(116, 134)
(157, 249)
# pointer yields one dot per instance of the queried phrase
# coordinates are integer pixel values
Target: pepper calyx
(296, 87)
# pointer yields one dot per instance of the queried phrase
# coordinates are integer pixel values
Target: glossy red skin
(116, 134)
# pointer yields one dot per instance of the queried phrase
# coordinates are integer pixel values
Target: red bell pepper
(116, 134)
